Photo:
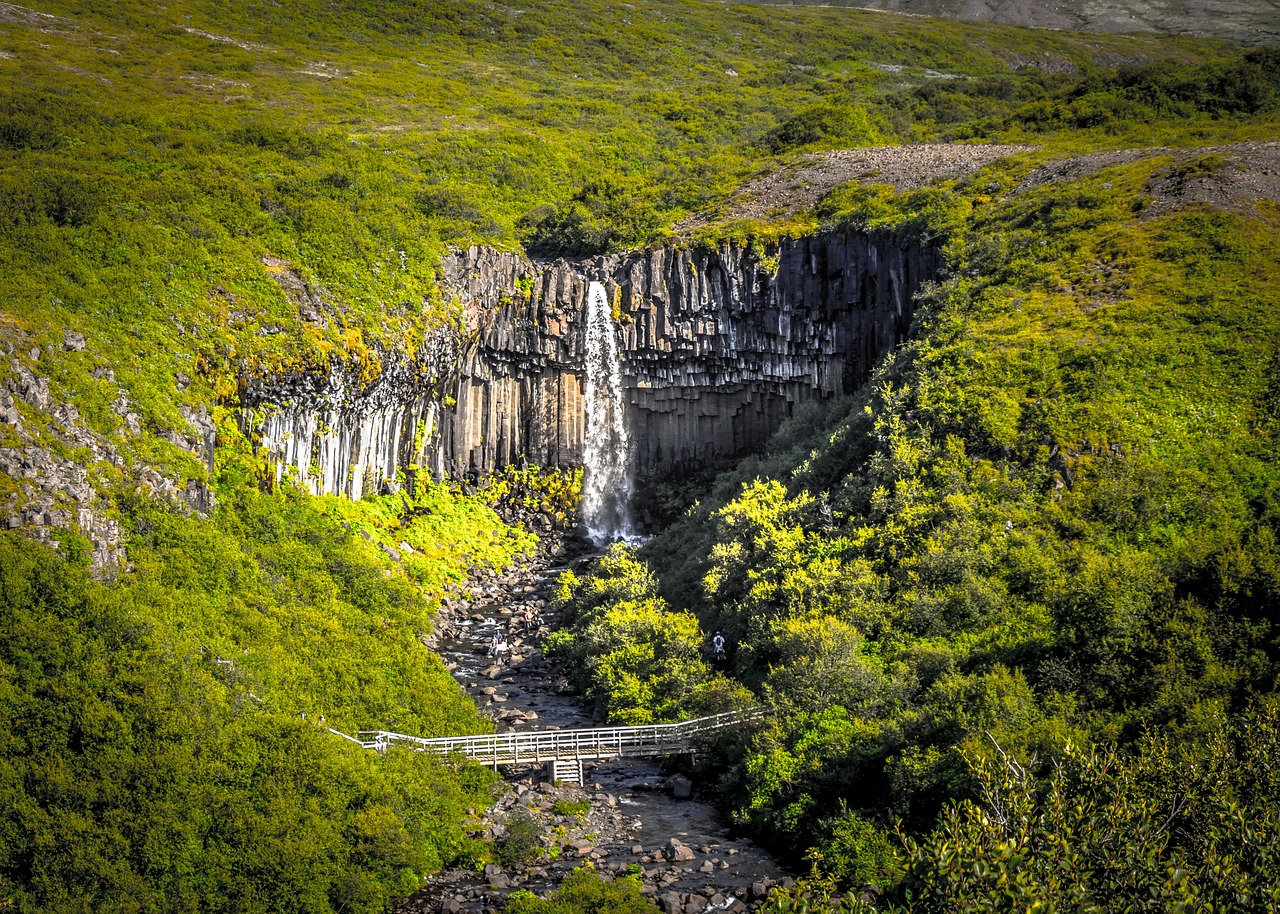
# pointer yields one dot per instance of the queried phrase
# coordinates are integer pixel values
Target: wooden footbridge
(563, 752)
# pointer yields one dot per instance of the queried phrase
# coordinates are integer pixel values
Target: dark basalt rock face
(718, 348)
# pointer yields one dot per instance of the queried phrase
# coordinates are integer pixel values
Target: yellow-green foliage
(167, 732)
(576, 808)
(639, 662)
(555, 493)
(1051, 516)
(165, 741)
(448, 533)
(583, 892)
(1050, 519)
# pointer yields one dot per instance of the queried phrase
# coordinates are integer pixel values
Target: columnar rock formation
(718, 348)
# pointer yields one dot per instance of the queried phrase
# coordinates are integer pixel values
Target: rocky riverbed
(628, 817)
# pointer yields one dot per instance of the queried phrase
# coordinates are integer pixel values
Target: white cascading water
(606, 483)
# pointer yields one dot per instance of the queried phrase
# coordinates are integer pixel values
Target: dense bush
(825, 123)
(1160, 827)
(1163, 827)
(1048, 522)
(145, 767)
(639, 662)
(612, 213)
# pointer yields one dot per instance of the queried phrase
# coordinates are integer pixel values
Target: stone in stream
(671, 903)
(681, 787)
(679, 852)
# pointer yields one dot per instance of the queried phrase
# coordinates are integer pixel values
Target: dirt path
(690, 860)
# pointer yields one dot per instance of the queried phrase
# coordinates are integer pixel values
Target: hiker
(717, 646)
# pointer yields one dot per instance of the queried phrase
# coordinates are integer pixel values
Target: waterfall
(606, 485)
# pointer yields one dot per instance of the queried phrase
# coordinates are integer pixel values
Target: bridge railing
(551, 745)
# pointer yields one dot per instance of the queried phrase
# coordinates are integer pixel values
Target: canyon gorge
(716, 348)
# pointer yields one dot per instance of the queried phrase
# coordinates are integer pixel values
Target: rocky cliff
(718, 348)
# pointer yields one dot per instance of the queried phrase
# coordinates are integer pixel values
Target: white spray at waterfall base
(606, 483)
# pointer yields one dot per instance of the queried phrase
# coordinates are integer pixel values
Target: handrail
(550, 745)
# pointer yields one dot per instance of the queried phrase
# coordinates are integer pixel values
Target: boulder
(671, 903)
(681, 787)
(679, 852)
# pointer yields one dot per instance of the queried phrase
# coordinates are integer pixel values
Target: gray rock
(72, 341)
(681, 787)
(671, 903)
(678, 852)
(27, 385)
(9, 414)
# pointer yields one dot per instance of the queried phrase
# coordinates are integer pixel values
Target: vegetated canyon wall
(718, 348)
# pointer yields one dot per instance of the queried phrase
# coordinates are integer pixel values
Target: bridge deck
(537, 747)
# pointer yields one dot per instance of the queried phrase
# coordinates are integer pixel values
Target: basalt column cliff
(717, 349)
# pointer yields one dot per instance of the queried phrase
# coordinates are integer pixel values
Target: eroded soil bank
(690, 860)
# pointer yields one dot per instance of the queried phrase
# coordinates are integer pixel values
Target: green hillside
(1051, 518)
(1047, 524)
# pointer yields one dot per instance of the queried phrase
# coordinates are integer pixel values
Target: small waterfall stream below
(690, 860)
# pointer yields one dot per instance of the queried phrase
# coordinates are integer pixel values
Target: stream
(690, 859)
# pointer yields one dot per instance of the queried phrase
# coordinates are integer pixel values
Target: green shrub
(522, 843)
(613, 213)
(576, 808)
(586, 892)
(1200, 829)
(825, 123)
